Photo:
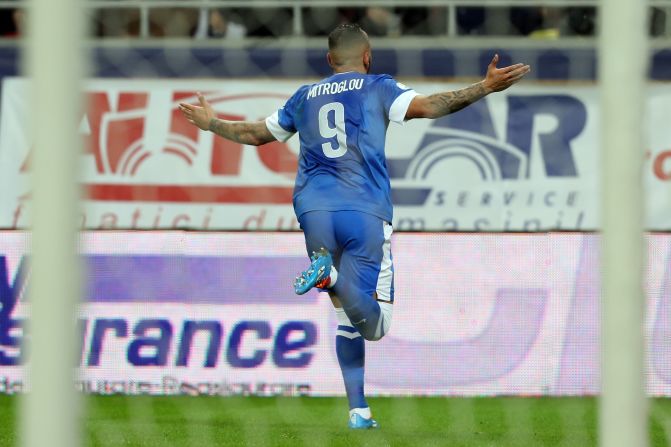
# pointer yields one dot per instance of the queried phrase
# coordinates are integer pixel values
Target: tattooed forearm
(245, 132)
(441, 104)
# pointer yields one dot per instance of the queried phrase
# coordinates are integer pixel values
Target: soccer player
(342, 191)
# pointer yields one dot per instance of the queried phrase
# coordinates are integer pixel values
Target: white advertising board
(526, 159)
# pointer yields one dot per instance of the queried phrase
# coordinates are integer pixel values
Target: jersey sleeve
(282, 123)
(396, 98)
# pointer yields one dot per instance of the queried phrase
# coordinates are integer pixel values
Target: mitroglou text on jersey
(331, 88)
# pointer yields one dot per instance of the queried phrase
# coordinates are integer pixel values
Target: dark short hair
(346, 35)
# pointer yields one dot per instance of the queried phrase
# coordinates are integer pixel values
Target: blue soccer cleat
(358, 422)
(317, 275)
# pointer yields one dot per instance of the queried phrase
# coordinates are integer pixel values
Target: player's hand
(498, 79)
(200, 116)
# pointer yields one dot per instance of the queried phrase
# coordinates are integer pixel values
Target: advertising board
(205, 313)
(526, 159)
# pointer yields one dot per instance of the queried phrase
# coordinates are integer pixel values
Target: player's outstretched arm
(441, 104)
(255, 133)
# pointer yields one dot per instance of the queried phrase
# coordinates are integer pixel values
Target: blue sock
(364, 311)
(351, 354)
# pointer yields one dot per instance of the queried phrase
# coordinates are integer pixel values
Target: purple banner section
(660, 349)
(579, 373)
(497, 350)
(194, 279)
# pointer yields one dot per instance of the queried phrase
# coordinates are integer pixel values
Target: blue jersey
(342, 123)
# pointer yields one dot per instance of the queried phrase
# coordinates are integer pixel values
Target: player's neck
(349, 69)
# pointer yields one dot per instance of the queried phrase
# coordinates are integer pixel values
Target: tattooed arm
(246, 132)
(440, 104)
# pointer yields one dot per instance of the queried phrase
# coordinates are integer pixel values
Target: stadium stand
(232, 37)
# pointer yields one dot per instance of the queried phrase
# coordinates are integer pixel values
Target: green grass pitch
(405, 421)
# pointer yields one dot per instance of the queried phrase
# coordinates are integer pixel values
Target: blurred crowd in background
(236, 23)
